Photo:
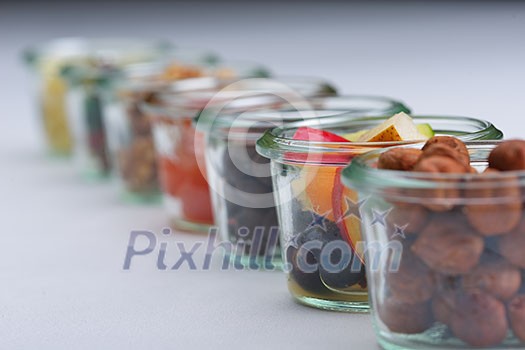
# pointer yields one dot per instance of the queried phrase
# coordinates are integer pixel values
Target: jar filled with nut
(445, 237)
(131, 130)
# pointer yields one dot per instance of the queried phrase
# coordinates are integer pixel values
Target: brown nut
(443, 149)
(496, 204)
(411, 217)
(413, 282)
(495, 276)
(448, 246)
(405, 318)
(451, 142)
(509, 155)
(479, 319)
(517, 316)
(512, 245)
(437, 198)
(399, 159)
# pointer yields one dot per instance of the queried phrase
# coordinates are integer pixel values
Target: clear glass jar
(445, 266)
(49, 60)
(131, 130)
(90, 91)
(243, 199)
(318, 214)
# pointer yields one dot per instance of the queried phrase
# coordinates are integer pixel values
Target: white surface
(63, 240)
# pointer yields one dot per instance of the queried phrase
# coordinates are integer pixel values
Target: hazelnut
(516, 309)
(451, 142)
(448, 246)
(443, 149)
(495, 276)
(405, 318)
(509, 155)
(413, 283)
(496, 204)
(399, 159)
(413, 216)
(440, 165)
(479, 319)
(512, 245)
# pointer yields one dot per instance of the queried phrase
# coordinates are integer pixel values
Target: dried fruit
(516, 311)
(495, 207)
(451, 142)
(405, 318)
(494, 276)
(479, 319)
(509, 155)
(399, 159)
(448, 246)
(443, 306)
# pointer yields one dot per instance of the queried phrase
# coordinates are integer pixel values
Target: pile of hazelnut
(463, 261)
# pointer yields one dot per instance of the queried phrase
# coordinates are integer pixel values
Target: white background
(63, 240)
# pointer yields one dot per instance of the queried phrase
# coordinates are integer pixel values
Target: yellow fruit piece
(354, 136)
(400, 127)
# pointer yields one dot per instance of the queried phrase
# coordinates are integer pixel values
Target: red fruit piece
(306, 133)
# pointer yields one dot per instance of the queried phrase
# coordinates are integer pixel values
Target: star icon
(399, 231)
(353, 208)
(319, 220)
(379, 217)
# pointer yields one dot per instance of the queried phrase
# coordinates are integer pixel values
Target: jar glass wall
(450, 275)
(318, 214)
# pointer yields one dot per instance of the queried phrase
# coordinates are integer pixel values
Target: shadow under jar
(320, 218)
(132, 140)
(89, 90)
(462, 267)
(243, 199)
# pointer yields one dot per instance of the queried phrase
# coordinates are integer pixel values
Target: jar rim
(73, 47)
(202, 95)
(362, 174)
(274, 144)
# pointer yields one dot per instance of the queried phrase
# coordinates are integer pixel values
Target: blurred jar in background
(90, 90)
(131, 134)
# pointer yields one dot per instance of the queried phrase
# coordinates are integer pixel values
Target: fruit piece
(425, 129)
(442, 149)
(512, 245)
(479, 319)
(354, 136)
(316, 135)
(399, 127)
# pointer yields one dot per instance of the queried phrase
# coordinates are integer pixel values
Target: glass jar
(90, 91)
(49, 60)
(445, 266)
(318, 214)
(131, 130)
(180, 149)
(243, 192)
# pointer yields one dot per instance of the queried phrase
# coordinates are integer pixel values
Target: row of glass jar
(189, 126)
